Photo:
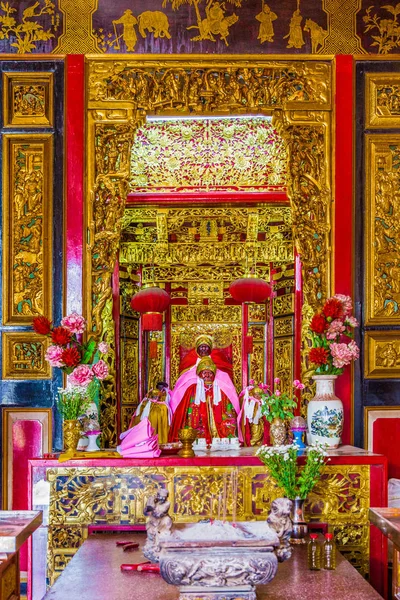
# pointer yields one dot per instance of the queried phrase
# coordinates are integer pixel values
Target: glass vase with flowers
(296, 480)
(333, 348)
(83, 364)
(277, 407)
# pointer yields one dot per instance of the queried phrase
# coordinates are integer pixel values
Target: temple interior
(200, 322)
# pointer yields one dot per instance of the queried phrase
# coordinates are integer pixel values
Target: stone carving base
(217, 593)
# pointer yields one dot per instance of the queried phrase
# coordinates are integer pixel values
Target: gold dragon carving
(120, 95)
(113, 495)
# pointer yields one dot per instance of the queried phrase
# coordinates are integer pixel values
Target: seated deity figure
(155, 407)
(204, 347)
(209, 403)
(251, 421)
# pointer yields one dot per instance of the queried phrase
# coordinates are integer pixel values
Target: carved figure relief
(23, 356)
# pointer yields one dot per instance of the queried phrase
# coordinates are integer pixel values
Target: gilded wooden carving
(207, 314)
(283, 305)
(23, 356)
(112, 495)
(382, 100)
(121, 93)
(283, 363)
(253, 86)
(27, 226)
(283, 326)
(28, 99)
(382, 230)
(258, 362)
(382, 355)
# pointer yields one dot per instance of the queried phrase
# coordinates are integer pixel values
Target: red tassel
(152, 321)
(153, 349)
(249, 344)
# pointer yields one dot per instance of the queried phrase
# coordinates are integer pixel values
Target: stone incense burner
(215, 560)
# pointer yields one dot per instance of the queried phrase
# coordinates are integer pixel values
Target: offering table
(110, 493)
(95, 573)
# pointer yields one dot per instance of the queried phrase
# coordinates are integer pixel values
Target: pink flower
(82, 376)
(354, 349)
(298, 385)
(74, 322)
(251, 381)
(352, 321)
(335, 328)
(100, 369)
(342, 354)
(277, 380)
(104, 348)
(277, 393)
(347, 303)
(53, 356)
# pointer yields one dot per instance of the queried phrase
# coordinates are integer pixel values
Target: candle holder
(187, 436)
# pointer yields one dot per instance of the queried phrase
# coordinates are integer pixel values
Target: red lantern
(151, 302)
(250, 289)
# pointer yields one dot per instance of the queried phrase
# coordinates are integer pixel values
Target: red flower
(333, 308)
(318, 356)
(71, 357)
(318, 323)
(42, 325)
(61, 336)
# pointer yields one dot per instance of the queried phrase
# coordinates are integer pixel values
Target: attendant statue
(155, 407)
(252, 422)
(209, 403)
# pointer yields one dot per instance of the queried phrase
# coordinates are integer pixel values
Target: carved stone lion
(279, 519)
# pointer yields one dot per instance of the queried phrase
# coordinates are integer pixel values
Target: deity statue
(266, 32)
(252, 422)
(204, 347)
(155, 407)
(209, 404)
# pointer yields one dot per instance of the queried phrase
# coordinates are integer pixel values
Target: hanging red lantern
(151, 302)
(250, 289)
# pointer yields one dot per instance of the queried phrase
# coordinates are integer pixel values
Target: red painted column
(74, 180)
(343, 220)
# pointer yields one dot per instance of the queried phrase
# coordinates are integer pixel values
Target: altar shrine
(199, 238)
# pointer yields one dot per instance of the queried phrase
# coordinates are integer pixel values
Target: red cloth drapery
(224, 416)
(218, 357)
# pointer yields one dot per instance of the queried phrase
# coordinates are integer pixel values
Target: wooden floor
(94, 574)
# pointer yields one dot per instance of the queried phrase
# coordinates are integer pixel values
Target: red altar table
(109, 493)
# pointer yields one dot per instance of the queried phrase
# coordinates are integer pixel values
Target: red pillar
(74, 180)
(343, 219)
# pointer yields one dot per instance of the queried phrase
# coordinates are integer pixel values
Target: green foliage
(296, 482)
(72, 402)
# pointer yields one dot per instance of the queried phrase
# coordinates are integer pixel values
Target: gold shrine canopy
(123, 94)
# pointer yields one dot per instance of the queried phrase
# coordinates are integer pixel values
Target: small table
(15, 528)
(94, 572)
(387, 520)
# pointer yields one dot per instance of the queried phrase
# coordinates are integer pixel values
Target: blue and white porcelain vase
(325, 413)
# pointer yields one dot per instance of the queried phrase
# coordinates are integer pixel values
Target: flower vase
(92, 441)
(325, 413)
(299, 525)
(278, 432)
(72, 432)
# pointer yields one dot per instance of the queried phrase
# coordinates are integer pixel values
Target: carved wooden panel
(27, 226)
(28, 99)
(382, 100)
(23, 356)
